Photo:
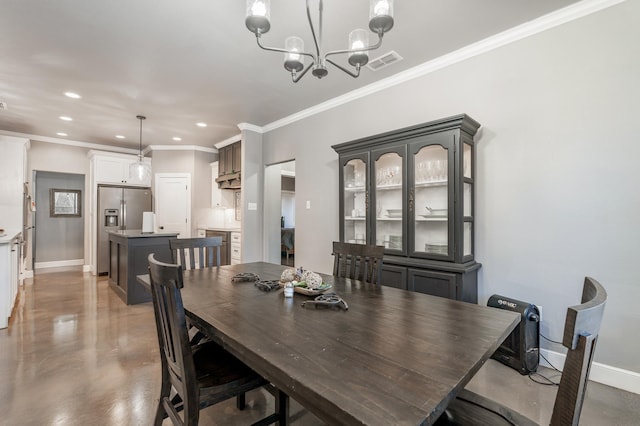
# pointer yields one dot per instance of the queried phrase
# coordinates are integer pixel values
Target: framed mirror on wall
(65, 202)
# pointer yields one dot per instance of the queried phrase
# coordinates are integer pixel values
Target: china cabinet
(412, 191)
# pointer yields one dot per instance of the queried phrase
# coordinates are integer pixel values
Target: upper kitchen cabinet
(13, 172)
(112, 168)
(229, 165)
(229, 158)
(412, 191)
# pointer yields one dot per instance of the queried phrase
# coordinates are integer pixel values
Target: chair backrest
(358, 261)
(173, 337)
(185, 252)
(580, 335)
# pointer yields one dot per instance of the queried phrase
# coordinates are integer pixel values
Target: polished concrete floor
(75, 354)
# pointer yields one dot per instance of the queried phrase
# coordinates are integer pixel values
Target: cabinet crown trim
(460, 121)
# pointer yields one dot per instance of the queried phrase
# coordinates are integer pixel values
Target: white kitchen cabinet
(236, 248)
(13, 159)
(10, 259)
(112, 168)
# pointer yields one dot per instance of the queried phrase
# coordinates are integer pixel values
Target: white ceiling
(182, 62)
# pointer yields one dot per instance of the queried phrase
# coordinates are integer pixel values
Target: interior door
(173, 203)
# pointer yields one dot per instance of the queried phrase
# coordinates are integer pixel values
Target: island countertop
(137, 233)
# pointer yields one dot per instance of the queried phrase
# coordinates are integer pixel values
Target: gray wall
(197, 164)
(557, 197)
(44, 156)
(58, 238)
(252, 192)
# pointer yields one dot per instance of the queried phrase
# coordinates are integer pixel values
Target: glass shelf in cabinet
(385, 218)
(432, 219)
(355, 218)
(387, 187)
(431, 183)
(355, 188)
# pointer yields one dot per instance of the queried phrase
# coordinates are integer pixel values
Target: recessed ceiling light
(201, 124)
(65, 118)
(72, 95)
(61, 134)
(119, 136)
(177, 139)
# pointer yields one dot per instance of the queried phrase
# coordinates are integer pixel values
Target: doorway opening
(280, 213)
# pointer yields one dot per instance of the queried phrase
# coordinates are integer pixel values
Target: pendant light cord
(140, 117)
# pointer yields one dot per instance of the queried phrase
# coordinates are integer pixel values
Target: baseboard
(86, 268)
(601, 373)
(59, 263)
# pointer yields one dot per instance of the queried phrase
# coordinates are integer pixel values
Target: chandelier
(140, 170)
(380, 21)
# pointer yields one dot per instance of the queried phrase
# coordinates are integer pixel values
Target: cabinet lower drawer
(441, 284)
(394, 276)
(458, 282)
(236, 251)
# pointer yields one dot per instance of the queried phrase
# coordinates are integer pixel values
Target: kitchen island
(128, 253)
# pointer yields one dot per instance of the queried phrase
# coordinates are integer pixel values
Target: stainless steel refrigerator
(118, 208)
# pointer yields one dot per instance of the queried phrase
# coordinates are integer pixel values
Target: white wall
(557, 197)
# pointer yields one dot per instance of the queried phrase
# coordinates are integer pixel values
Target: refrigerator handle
(123, 211)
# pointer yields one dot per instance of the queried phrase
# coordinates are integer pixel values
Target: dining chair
(357, 261)
(200, 375)
(581, 328)
(196, 253)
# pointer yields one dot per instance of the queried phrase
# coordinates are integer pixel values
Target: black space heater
(520, 350)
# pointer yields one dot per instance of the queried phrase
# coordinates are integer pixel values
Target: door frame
(156, 179)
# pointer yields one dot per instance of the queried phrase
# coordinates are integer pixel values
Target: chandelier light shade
(293, 60)
(140, 170)
(258, 21)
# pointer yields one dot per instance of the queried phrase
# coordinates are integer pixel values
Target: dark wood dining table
(393, 358)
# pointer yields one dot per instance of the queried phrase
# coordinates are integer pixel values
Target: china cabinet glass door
(467, 200)
(355, 201)
(389, 179)
(431, 201)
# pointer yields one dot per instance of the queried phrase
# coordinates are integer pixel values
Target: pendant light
(140, 170)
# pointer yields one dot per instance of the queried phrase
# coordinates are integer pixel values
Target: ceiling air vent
(384, 60)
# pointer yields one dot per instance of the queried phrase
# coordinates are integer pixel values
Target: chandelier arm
(363, 49)
(297, 79)
(354, 75)
(277, 49)
(313, 32)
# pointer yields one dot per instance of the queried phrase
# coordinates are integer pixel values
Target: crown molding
(546, 22)
(81, 144)
(151, 148)
(250, 127)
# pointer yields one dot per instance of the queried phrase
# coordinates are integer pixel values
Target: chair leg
(160, 414)
(241, 401)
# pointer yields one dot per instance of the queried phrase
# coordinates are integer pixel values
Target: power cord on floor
(547, 381)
